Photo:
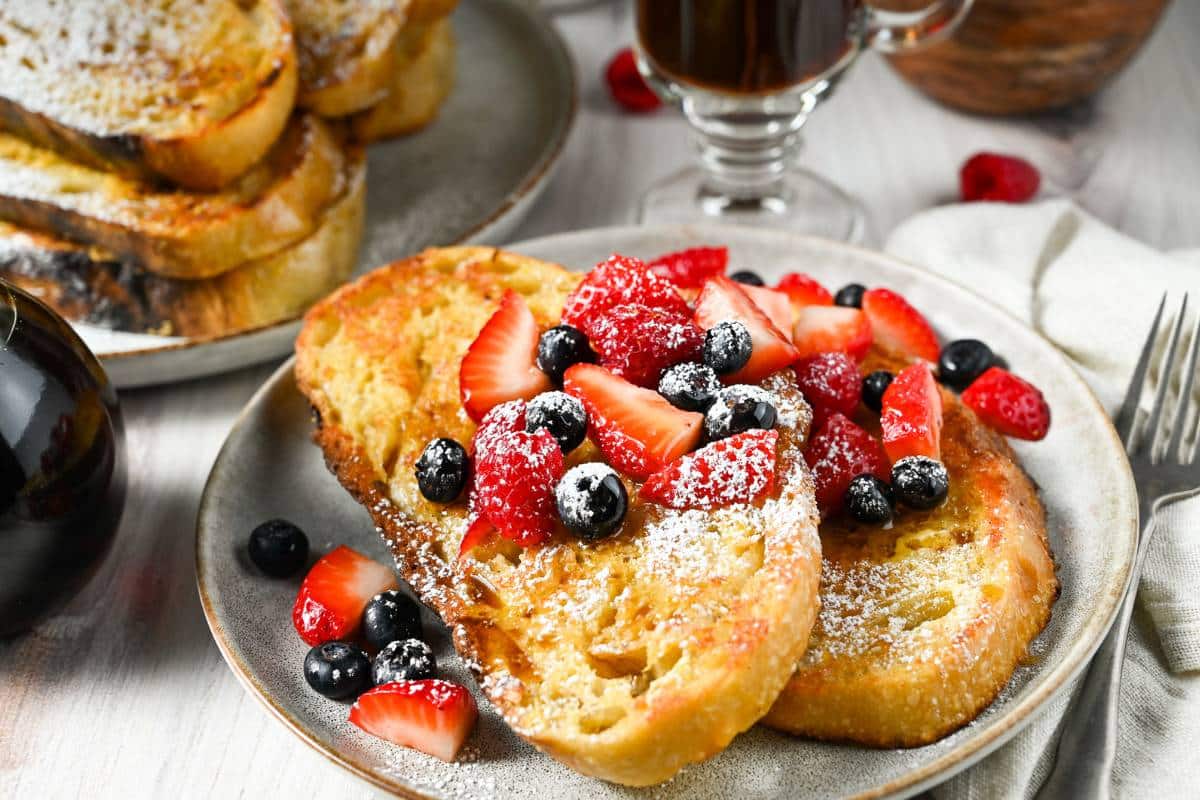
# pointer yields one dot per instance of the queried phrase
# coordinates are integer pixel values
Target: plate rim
(531, 183)
(971, 751)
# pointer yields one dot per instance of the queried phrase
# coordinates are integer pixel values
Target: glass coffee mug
(747, 73)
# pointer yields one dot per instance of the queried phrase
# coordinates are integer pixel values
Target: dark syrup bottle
(62, 462)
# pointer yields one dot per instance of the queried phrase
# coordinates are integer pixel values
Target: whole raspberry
(689, 269)
(617, 281)
(839, 452)
(626, 85)
(831, 384)
(1001, 178)
(638, 343)
(514, 483)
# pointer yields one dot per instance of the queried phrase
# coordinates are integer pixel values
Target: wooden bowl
(1018, 56)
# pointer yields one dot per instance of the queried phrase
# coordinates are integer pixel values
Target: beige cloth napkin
(1091, 291)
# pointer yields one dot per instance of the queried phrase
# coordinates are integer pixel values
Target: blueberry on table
(920, 482)
(739, 408)
(591, 500)
(338, 670)
(727, 346)
(964, 360)
(850, 295)
(690, 386)
(391, 616)
(278, 548)
(442, 470)
(747, 277)
(873, 387)
(404, 660)
(560, 348)
(868, 499)
(559, 413)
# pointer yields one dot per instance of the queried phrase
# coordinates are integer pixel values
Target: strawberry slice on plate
(501, 364)
(911, 417)
(839, 452)
(803, 290)
(433, 716)
(690, 268)
(636, 429)
(739, 469)
(333, 595)
(774, 304)
(618, 281)
(898, 326)
(832, 329)
(722, 299)
(1009, 404)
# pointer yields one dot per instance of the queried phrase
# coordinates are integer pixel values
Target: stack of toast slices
(198, 169)
(631, 657)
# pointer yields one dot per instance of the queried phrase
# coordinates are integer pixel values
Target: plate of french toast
(181, 181)
(689, 511)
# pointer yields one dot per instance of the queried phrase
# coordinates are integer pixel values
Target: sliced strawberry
(837, 453)
(775, 304)
(638, 342)
(479, 530)
(722, 299)
(825, 329)
(431, 715)
(1008, 404)
(912, 414)
(739, 469)
(690, 268)
(637, 430)
(513, 485)
(804, 290)
(501, 364)
(898, 326)
(831, 384)
(333, 595)
(619, 281)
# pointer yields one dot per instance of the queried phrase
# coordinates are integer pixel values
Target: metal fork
(1166, 471)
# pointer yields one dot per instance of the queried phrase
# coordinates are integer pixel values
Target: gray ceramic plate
(471, 175)
(269, 468)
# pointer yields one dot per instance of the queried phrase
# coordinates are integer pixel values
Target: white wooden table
(125, 695)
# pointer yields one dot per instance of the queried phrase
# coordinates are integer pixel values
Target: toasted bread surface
(347, 52)
(177, 234)
(193, 92)
(422, 78)
(922, 624)
(89, 285)
(626, 658)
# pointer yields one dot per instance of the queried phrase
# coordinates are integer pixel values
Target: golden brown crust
(420, 82)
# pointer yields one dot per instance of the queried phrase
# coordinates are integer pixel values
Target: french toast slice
(88, 285)
(175, 233)
(922, 624)
(192, 92)
(420, 82)
(626, 658)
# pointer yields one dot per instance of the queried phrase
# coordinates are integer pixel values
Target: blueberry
(338, 670)
(442, 470)
(920, 482)
(559, 348)
(850, 295)
(692, 387)
(278, 548)
(873, 387)
(869, 499)
(747, 277)
(739, 408)
(390, 616)
(560, 414)
(404, 660)
(727, 346)
(964, 360)
(591, 500)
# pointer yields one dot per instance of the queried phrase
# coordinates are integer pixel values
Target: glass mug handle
(896, 31)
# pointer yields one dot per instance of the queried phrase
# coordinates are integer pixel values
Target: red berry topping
(688, 269)
(831, 384)
(619, 281)
(991, 176)
(912, 414)
(626, 84)
(721, 299)
(774, 304)
(739, 469)
(502, 420)
(636, 429)
(333, 595)
(479, 530)
(804, 290)
(637, 342)
(513, 485)
(431, 715)
(898, 326)
(824, 329)
(1008, 404)
(501, 364)
(837, 453)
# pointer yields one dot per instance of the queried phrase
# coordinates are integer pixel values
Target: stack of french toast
(197, 169)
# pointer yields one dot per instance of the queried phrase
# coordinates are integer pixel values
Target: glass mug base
(800, 202)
